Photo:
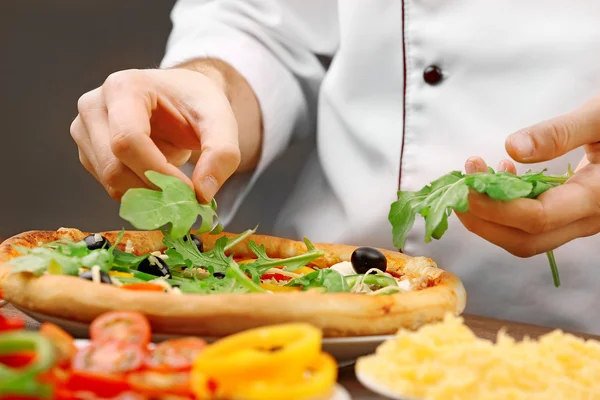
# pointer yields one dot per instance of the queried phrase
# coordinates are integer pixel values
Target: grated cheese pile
(447, 361)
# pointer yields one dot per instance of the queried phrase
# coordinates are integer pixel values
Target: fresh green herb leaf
(123, 259)
(436, 201)
(326, 278)
(263, 262)
(175, 206)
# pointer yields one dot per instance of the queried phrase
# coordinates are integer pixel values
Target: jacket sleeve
(275, 45)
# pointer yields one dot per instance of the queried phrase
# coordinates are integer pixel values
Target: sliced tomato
(175, 354)
(157, 383)
(124, 326)
(101, 385)
(17, 360)
(11, 324)
(65, 394)
(108, 358)
(62, 341)
(277, 276)
(150, 287)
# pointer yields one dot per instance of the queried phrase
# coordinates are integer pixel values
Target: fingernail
(470, 167)
(209, 187)
(522, 144)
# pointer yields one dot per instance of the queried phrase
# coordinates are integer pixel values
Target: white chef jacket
(340, 140)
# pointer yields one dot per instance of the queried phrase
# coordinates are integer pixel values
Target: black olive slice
(366, 258)
(219, 275)
(104, 277)
(197, 241)
(96, 241)
(154, 266)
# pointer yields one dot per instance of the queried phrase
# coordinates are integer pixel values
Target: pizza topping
(143, 287)
(154, 266)
(366, 258)
(96, 241)
(345, 268)
(96, 275)
(129, 247)
(197, 241)
(174, 206)
(123, 326)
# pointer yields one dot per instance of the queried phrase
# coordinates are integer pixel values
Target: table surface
(483, 327)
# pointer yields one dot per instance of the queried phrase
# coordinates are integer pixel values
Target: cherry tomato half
(157, 383)
(99, 385)
(175, 354)
(108, 358)
(62, 341)
(11, 324)
(124, 326)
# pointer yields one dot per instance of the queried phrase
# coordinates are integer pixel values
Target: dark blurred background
(51, 52)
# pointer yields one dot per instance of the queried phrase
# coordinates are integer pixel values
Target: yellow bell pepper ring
(316, 380)
(265, 349)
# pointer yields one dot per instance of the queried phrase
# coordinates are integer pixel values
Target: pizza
(205, 282)
(256, 280)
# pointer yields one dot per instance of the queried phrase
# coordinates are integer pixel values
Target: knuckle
(112, 174)
(560, 132)
(121, 143)
(74, 130)
(523, 249)
(87, 102)
(229, 154)
(539, 221)
(122, 80)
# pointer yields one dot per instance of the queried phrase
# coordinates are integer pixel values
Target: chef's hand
(141, 120)
(526, 227)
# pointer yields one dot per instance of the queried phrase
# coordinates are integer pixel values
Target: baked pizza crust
(337, 314)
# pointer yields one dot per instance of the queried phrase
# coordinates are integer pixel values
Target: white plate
(345, 350)
(340, 392)
(378, 388)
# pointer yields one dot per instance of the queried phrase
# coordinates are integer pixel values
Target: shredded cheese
(447, 361)
(97, 237)
(96, 278)
(161, 282)
(282, 272)
(156, 253)
(129, 247)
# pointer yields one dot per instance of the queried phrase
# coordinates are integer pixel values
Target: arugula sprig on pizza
(185, 266)
(435, 202)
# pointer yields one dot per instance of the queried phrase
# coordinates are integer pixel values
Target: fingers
(130, 99)
(220, 155)
(523, 244)
(91, 133)
(555, 137)
(477, 164)
(553, 209)
(474, 165)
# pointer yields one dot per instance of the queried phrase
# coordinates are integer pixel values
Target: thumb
(557, 136)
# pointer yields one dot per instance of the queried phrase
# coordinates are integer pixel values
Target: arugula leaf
(263, 262)
(436, 201)
(175, 206)
(60, 258)
(326, 278)
(184, 252)
(123, 259)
